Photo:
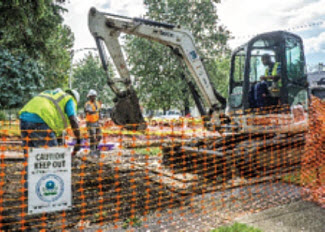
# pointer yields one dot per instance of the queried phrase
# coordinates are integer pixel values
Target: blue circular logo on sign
(50, 188)
(50, 185)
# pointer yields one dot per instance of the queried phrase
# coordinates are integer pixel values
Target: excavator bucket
(127, 113)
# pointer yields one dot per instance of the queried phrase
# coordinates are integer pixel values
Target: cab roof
(268, 36)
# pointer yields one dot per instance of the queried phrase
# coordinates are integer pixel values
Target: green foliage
(89, 74)
(160, 86)
(28, 26)
(236, 227)
(134, 222)
(2, 116)
(36, 29)
(153, 151)
(21, 78)
(158, 71)
(57, 59)
(221, 68)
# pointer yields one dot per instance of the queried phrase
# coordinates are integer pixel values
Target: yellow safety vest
(276, 85)
(274, 73)
(50, 106)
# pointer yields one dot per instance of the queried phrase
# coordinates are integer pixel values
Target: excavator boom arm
(107, 27)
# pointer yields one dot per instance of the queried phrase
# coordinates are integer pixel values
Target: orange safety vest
(95, 108)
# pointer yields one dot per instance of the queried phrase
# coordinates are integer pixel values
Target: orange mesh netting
(175, 175)
(313, 163)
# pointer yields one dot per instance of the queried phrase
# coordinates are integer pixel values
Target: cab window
(257, 69)
(295, 59)
(236, 93)
(239, 66)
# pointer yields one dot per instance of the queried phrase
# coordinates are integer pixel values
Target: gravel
(211, 210)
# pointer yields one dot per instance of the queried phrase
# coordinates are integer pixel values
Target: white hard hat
(74, 93)
(92, 92)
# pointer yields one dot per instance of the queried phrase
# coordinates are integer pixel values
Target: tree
(21, 78)
(153, 89)
(221, 68)
(57, 59)
(157, 69)
(88, 74)
(36, 29)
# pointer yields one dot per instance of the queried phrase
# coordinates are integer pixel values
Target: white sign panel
(49, 179)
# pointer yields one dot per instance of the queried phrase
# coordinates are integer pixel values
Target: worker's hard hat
(92, 92)
(74, 93)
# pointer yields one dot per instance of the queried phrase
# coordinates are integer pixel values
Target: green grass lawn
(151, 151)
(236, 227)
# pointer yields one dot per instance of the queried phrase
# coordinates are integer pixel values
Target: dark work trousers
(95, 135)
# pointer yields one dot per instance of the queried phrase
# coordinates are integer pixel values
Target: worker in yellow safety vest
(44, 118)
(273, 76)
(92, 108)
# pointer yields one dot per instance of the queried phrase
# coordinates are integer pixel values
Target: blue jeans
(40, 135)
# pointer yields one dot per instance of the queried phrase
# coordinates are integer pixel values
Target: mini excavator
(235, 114)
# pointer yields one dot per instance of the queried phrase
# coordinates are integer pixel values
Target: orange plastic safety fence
(313, 163)
(177, 174)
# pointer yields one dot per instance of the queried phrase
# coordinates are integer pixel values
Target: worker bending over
(44, 118)
(92, 108)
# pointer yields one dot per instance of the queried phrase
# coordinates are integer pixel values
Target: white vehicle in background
(160, 118)
(171, 114)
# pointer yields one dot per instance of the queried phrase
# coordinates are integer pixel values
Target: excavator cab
(246, 70)
(247, 67)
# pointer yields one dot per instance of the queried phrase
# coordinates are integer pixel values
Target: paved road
(298, 216)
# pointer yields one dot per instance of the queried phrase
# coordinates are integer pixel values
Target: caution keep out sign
(49, 179)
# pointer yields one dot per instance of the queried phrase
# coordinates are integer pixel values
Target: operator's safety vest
(50, 106)
(274, 89)
(95, 108)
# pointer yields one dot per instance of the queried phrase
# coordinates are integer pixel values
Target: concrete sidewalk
(299, 216)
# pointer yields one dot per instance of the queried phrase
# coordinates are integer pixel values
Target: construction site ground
(297, 216)
(286, 213)
(190, 202)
